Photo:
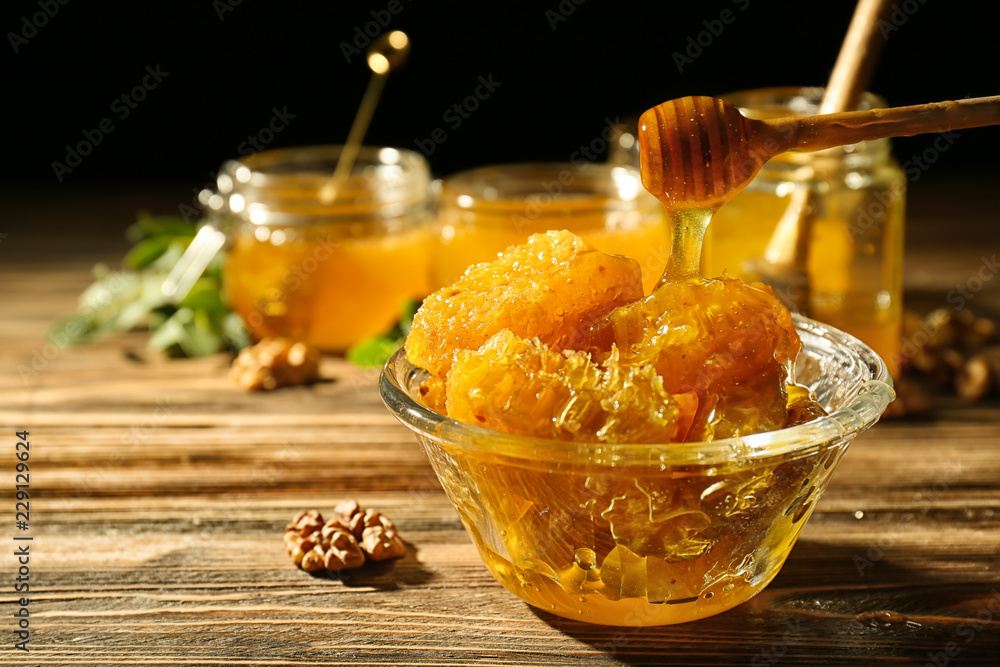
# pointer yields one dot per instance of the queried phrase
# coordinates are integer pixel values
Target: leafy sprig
(199, 324)
(376, 351)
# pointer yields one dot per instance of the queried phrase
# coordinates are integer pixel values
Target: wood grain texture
(160, 492)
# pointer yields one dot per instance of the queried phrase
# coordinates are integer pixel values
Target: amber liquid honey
(323, 287)
(854, 267)
(638, 547)
(326, 261)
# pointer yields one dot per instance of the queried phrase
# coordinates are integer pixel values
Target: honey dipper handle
(814, 133)
(856, 59)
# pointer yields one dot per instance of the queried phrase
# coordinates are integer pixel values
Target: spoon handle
(813, 133)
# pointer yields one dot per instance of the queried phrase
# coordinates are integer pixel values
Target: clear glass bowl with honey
(485, 210)
(641, 534)
(854, 259)
(329, 272)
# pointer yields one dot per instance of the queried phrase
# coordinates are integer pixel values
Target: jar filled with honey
(327, 266)
(484, 211)
(856, 203)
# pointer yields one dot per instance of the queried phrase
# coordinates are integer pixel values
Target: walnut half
(345, 542)
(379, 538)
(275, 362)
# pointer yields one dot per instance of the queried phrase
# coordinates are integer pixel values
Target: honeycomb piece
(520, 386)
(728, 342)
(553, 287)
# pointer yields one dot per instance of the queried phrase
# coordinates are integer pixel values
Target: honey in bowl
(564, 447)
(542, 454)
(327, 273)
(592, 526)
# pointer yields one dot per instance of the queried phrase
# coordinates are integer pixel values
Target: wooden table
(159, 493)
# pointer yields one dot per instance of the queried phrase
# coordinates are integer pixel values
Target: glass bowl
(644, 535)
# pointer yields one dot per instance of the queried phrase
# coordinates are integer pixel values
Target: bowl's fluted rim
(860, 414)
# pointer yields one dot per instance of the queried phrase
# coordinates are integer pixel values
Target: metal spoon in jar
(387, 52)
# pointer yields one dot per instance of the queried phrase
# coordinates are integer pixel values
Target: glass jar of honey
(483, 211)
(623, 142)
(854, 261)
(328, 272)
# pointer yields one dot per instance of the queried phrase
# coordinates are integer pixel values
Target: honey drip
(688, 228)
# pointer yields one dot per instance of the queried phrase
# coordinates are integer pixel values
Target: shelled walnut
(945, 352)
(275, 362)
(980, 375)
(376, 533)
(345, 542)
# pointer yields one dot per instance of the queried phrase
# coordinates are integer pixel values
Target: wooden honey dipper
(699, 152)
(784, 264)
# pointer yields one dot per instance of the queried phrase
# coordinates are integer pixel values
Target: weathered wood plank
(160, 493)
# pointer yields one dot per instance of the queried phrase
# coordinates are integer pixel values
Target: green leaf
(170, 332)
(147, 251)
(204, 295)
(374, 351)
(171, 255)
(201, 338)
(148, 226)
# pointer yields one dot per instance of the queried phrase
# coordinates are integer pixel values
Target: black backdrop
(230, 70)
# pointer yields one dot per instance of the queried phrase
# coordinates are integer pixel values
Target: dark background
(231, 65)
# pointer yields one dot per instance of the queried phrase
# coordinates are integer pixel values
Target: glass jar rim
(578, 185)
(282, 186)
(860, 414)
(799, 100)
